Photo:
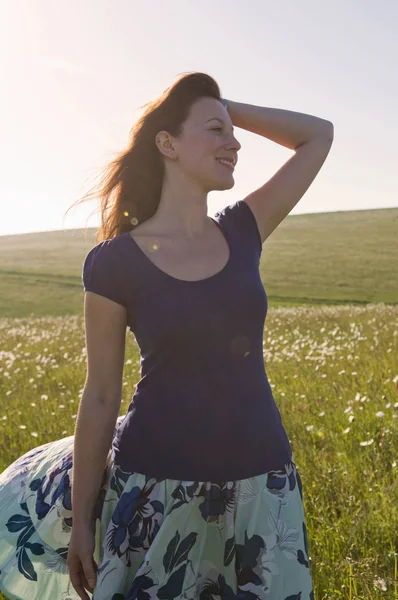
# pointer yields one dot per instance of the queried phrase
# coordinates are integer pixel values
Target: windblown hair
(131, 184)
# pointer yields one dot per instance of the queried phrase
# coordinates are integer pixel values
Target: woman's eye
(217, 129)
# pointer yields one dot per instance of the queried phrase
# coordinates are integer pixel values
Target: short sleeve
(102, 272)
(244, 223)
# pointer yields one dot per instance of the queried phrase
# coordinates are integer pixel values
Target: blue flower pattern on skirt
(155, 538)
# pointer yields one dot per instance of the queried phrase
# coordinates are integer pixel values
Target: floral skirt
(155, 538)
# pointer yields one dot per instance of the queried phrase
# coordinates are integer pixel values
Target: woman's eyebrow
(217, 119)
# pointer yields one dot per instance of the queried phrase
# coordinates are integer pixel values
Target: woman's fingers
(78, 578)
(80, 561)
(90, 571)
(86, 583)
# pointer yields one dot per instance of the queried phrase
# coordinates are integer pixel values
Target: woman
(194, 493)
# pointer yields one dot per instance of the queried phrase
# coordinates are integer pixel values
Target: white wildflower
(368, 443)
(380, 584)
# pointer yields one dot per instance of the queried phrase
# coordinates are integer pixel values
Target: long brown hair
(131, 184)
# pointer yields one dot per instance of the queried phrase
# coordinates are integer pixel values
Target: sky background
(74, 74)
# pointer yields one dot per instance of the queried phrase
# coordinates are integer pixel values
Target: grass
(334, 375)
(329, 258)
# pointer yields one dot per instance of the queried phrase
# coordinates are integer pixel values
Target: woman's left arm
(310, 137)
(285, 127)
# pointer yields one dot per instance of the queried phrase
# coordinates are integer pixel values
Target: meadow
(327, 258)
(330, 351)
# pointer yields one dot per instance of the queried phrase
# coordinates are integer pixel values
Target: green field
(331, 355)
(328, 258)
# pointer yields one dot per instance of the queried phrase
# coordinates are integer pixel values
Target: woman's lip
(225, 165)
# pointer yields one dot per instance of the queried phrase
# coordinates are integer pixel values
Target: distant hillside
(339, 257)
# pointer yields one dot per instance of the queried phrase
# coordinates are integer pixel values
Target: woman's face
(207, 135)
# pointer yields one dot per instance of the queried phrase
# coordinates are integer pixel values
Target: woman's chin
(224, 185)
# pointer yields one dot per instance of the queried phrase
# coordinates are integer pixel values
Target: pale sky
(75, 72)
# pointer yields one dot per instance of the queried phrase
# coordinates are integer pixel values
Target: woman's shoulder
(103, 271)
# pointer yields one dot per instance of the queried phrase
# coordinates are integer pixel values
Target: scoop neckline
(194, 281)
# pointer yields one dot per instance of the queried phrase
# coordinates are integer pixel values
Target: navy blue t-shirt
(203, 409)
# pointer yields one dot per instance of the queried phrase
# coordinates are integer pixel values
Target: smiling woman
(175, 134)
(194, 493)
